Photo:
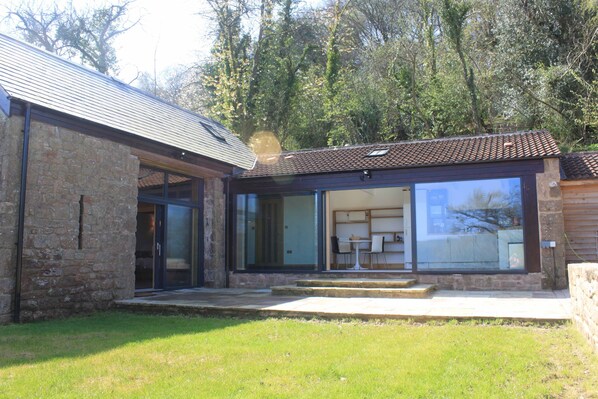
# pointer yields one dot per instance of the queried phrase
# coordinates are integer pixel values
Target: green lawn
(121, 355)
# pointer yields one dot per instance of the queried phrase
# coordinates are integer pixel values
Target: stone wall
(68, 269)
(11, 139)
(583, 287)
(472, 282)
(484, 282)
(551, 225)
(214, 233)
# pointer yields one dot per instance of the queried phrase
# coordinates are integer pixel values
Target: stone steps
(358, 282)
(347, 288)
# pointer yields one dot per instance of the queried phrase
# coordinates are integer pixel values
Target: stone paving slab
(540, 306)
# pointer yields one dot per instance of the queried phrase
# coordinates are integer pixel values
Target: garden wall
(583, 286)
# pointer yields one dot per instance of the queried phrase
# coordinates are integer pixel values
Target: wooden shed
(579, 188)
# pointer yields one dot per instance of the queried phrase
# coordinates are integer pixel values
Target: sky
(170, 33)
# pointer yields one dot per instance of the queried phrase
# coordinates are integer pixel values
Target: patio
(536, 306)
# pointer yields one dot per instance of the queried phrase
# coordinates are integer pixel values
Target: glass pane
(150, 182)
(181, 245)
(144, 247)
(470, 225)
(276, 232)
(182, 188)
(241, 234)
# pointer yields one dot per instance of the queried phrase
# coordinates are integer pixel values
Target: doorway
(269, 232)
(166, 247)
(360, 218)
(146, 244)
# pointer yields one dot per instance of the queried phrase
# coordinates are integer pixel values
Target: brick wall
(583, 286)
(11, 136)
(59, 278)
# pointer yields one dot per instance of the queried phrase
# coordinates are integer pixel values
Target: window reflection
(470, 225)
(182, 188)
(276, 232)
(150, 182)
(167, 185)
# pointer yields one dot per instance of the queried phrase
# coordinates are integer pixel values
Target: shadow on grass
(82, 336)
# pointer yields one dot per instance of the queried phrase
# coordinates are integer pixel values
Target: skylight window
(378, 153)
(213, 131)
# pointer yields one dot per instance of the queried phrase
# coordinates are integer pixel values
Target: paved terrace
(541, 306)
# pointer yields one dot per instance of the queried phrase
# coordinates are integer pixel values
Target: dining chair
(377, 249)
(337, 250)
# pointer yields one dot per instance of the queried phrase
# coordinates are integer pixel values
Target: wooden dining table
(356, 246)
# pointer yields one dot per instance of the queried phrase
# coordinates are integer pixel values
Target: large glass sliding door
(474, 225)
(276, 232)
(373, 225)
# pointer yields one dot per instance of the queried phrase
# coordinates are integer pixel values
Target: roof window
(378, 153)
(213, 131)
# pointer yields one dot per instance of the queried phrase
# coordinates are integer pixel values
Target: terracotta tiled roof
(446, 151)
(580, 165)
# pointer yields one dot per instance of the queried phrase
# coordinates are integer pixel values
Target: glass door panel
(181, 246)
(144, 248)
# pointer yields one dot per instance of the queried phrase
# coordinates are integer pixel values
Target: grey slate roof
(41, 78)
(409, 154)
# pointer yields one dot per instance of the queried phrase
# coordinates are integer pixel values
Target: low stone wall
(583, 286)
(484, 282)
(470, 282)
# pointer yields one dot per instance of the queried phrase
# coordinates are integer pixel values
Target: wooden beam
(174, 165)
(579, 182)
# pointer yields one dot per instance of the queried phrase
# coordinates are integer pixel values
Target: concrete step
(358, 282)
(414, 291)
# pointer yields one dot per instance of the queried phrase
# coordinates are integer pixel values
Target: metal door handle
(159, 248)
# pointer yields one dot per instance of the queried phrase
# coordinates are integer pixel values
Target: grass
(122, 355)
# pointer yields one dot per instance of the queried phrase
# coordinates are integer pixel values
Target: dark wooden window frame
(199, 205)
(232, 236)
(526, 170)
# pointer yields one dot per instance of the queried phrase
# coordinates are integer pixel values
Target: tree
(454, 17)
(226, 74)
(179, 85)
(544, 67)
(357, 71)
(84, 34)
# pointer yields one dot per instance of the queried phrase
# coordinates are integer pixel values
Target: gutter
(21, 219)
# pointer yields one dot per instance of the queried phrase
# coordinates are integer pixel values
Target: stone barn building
(107, 191)
(86, 161)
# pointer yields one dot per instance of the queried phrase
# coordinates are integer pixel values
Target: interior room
(372, 228)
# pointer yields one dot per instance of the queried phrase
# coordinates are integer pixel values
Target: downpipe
(21, 217)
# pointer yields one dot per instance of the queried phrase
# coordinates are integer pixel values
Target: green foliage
(374, 70)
